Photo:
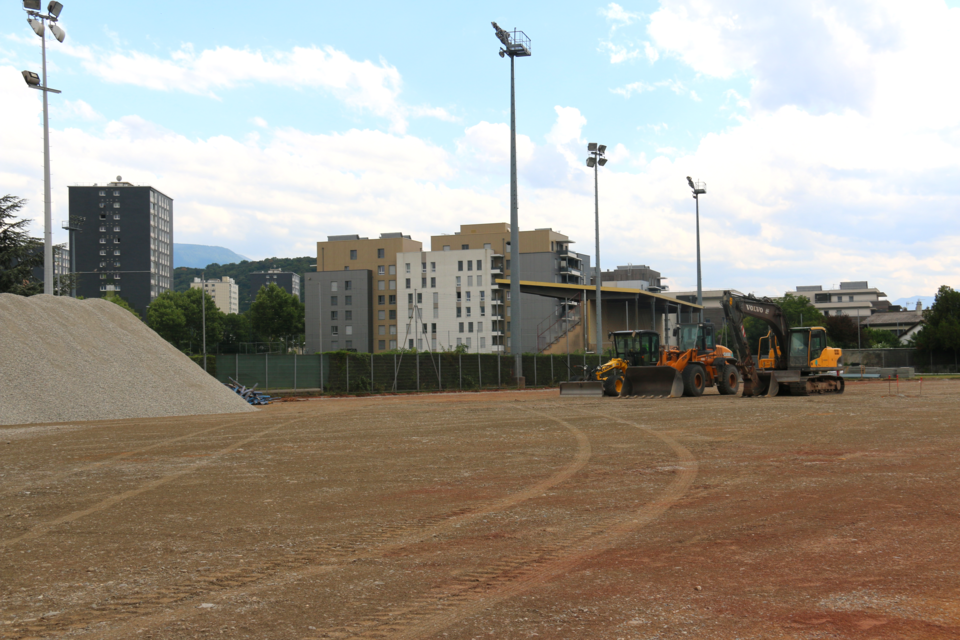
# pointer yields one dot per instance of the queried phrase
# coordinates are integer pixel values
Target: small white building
(450, 299)
(224, 291)
(851, 299)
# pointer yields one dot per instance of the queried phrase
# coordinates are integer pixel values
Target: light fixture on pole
(36, 20)
(516, 44)
(596, 159)
(698, 188)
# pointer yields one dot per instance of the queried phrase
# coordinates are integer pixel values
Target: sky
(827, 133)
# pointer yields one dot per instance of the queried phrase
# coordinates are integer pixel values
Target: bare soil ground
(494, 515)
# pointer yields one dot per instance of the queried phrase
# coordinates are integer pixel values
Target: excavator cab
(695, 336)
(809, 350)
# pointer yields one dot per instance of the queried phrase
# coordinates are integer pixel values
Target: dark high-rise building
(124, 242)
(286, 280)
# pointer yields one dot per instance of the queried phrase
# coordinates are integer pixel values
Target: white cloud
(258, 121)
(618, 17)
(673, 85)
(74, 110)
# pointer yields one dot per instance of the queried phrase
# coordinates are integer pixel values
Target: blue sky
(825, 131)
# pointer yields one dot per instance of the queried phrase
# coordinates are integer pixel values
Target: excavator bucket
(769, 386)
(589, 388)
(655, 382)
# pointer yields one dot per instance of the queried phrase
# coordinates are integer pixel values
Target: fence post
(371, 373)
(479, 372)
(320, 355)
(395, 373)
(236, 367)
(418, 371)
(266, 370)
(534, 370)
(551, 370)
(460, 358)
(499, 358)
(347, 358)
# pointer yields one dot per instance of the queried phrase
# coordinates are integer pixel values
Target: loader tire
(694, 380)
(729, 381)
(611, 384)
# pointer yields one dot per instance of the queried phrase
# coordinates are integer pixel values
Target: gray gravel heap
(64, 360)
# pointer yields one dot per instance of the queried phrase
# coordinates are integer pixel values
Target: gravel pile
(64, 360)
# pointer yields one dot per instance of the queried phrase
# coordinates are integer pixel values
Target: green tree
(111, 296)
(879, 338)
(941, 329)
(19, 253)
(178, 318)
(842, 332)
(236, 329)
(276, 315)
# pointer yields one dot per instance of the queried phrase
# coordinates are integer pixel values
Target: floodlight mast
(36, 20)
(515, 44)
(698, 188)
(597, 159)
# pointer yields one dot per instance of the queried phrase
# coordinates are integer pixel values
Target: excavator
(640, 367)
(798, 361)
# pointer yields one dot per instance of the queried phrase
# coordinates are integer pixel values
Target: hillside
(183, 276)
(200, 255)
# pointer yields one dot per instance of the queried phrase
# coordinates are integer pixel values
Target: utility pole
(203, 313)
(698, 189)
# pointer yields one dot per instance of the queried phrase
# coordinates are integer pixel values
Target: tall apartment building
(286, 280)
(546, 256)
(124, 242)
(450, 298)
(851, 299)
(224, 291)
(351, 253)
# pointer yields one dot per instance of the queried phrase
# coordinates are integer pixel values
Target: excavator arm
(736, 308)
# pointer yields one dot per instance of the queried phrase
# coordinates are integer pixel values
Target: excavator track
(813, 386)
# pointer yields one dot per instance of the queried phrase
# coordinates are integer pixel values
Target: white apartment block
(225, 293)
(450, 299)
(854, 299)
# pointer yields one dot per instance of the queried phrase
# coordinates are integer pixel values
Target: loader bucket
(652, 381)
(769, 386)
(590, 388)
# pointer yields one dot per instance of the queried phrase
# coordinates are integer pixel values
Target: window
(393, 314)
(381, 344)
(116, 216)
(334, 330)
(436, 312)
(381, 315)
(381, 285)
(483, 311)
(433, 267)
(508, 247)
(411, 343)
(433, 283)
(392, 270)
(381, 253)
(459, 265)
(116, 240)
(849, 298)
(469, 327)
(393, 285)
(116, 205)
(347, 285)
(348, 300)
(393, 331)
(333, 286)
(393, 344)
(102, 215)
(479, 263)
(826, 312)
(469, 265)
(103, 241)
(381, 299)
(409, 298)
(407, 265)
(348, 315)
(480, 283)
(353, 254)
(382, 330)
(839, 298)
(103, 264)
(461, 327)
(468, 342)
(333, 301)
(468, 296)
(408, 283)
(482, 293)
(410, 312)
(479, 327)
(458, 342)
(393, 299)
(103, 229)
(486, 245)
(483, 342)
(433, 327)
(446, 247)
(103, 193)
(349, 329)
(436, 297)
(381, 270)
(424, 327)
(116, 193)
(458, 281)
(349, 342)
(459, 294)
(468, 312)
(423, 283)
(103, 252)
(103, 276)
(116, 229)
(334, 316)
(423, 267)
(465, 247)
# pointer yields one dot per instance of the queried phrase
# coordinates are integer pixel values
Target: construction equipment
(700, 361)
(798, 361)
(632, 371)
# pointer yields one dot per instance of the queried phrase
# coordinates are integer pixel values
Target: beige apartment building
(224, 291)
(372, 294)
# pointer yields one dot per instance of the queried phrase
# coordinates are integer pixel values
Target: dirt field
(495, 515)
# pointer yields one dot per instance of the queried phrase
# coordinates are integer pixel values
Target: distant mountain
(199, 256)
(911, 303)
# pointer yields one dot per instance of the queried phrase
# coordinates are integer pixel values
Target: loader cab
(697, 336)
(637, 348)
(806, 345)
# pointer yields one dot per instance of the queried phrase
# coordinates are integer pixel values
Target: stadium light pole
(596, 159)
(203, 313)
(36, 20)
(698, 188)
(516, 44)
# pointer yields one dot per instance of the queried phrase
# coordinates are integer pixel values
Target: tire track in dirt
(40, 529)
(304, 564)
(5, 491)
(475, 592)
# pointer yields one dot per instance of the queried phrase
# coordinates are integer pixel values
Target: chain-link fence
(389, 372)
(925, 362)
